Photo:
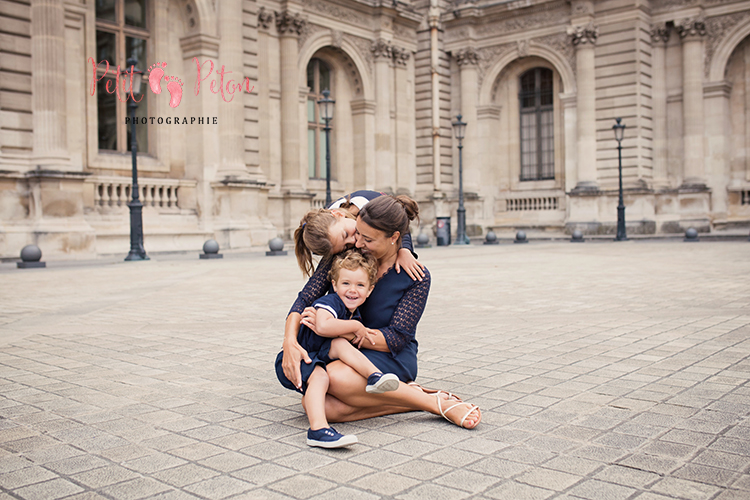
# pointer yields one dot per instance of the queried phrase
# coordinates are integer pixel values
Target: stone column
(404, 131)
(232, 113)
(468, 60)
(383, 55)
(289, 27)
(584, 38)
(659, 38)
(50, 144)
(692, 32)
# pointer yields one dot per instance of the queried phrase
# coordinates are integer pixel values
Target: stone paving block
(707, 475)
(13, 462)
(467, 480)
(306, 460)
(627, 476)
(135, 489)
(499, 467)
(385, 483)
(264, 473)
(432, 491)
(453, 457)
(593, 489)
(728, 461)
(104, 476)
(512, 489)
(549, 479)
(184, 475)
(153, 463)
(681, 488)
(229, 461)
(650, 463)
(302, 486)
(56, 488)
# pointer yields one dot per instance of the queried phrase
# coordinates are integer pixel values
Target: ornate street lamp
(326, 113)
(137, 252)
(459, 129)
(619, 129)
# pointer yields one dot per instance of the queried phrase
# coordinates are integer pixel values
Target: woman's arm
(403, 325)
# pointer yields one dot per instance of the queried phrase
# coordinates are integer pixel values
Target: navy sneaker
(328, 437)
(377, 383)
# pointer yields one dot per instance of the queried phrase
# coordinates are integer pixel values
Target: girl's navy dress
(317, 347)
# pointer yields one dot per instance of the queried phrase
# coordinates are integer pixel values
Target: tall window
(537, 125)
(121, 32)
(318, 79)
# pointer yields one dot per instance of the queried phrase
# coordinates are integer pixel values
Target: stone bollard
(211, 250)
(521, 237)
(31, 256)
(691, 235)
(423, 241)
(577, 236)
(491, 238)
(277, 247)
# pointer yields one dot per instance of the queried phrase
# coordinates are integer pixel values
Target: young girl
(337, 319)
(329, 231)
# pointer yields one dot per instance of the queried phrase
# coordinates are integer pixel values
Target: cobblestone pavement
(604, 371)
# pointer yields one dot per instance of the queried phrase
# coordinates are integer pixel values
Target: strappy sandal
(460, 424)
(436, 391)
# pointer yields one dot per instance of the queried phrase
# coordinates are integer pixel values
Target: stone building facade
(231, 145)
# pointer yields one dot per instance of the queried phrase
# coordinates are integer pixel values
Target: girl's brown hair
(312, 237)
(390, 214)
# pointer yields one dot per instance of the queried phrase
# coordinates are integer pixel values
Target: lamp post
(619, 129)
(459, 128)
(326, 113)
(137, 252)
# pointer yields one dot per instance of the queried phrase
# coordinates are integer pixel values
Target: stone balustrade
(163, 194)
(532, 203)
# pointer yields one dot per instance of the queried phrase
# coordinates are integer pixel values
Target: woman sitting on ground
(392, 312)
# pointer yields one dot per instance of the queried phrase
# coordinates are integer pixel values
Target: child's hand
(412, 266)
(363, 334)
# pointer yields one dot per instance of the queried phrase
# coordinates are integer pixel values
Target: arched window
(537, 125)
(121, 32)
(318, 79)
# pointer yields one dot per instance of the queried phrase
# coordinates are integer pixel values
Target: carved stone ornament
(466, 56)
(288, 24)
(523, 48)
(691, 27)
(581, 35)
(400, 56)
(381, 48)
(716, 29)
(265, 18)
(336, 38)
(659, 33)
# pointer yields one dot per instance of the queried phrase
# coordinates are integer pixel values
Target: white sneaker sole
(387, 383)
(344, 441)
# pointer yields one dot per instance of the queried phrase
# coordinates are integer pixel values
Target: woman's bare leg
(348, 401)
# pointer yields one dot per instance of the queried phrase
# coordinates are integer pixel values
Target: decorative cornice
(265, 18)
(691, 28)
(582, 35)
(582, 7)
(381, 48)
(467, 56)
(339, 13)
(400, 55)
(288, 24)
(659, 33)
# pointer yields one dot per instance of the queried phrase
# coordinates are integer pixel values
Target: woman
(392, 311)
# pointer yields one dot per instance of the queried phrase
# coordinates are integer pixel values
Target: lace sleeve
(315, 288)
(403, 325)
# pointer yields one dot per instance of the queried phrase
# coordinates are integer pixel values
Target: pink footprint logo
(174, 86)
(155, 74)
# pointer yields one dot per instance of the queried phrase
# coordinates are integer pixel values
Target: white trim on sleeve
(329, 309)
